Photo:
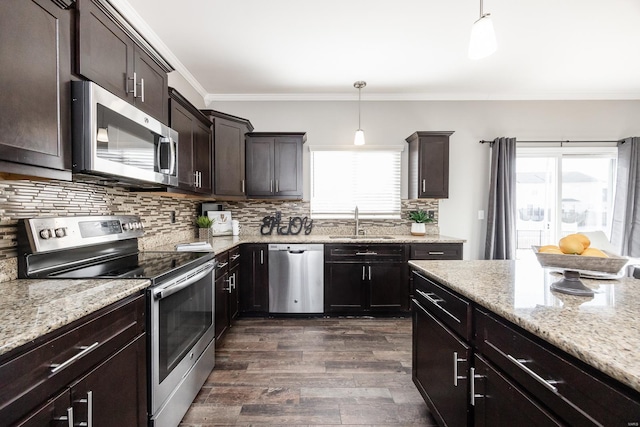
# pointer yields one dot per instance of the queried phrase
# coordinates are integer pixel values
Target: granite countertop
(30, 308)
(602, 331)
(223, 243)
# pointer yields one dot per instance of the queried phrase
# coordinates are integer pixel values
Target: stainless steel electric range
(180, 300)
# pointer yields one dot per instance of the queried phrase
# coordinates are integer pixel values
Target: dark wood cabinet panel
(499, 402)
(429, 165)
(29, 379)
(254, 286)
(274, 165)
(440, 368)
(234, 276)
(229, 153)
(110, 57)
(194, 145)
(35, 84)
(435, 251)
(222, 294)
(365, 278)
(55, 412)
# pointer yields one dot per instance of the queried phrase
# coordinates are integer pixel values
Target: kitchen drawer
(223, 263)
(435, 251)
(33, 376)
(449, 308)
(364, 253)
(234, 257)
(577, 393)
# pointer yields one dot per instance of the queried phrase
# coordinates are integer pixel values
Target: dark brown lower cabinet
(234, 279)
(221, 316)
(254, 286)
(440, 368)
(46, 383)
(499, 402)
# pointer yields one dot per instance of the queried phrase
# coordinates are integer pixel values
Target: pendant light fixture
(359, 138)
(483, 38)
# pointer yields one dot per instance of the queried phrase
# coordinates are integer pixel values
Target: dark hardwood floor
(312, 372)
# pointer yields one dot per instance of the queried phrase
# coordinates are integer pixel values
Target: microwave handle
(172, 160)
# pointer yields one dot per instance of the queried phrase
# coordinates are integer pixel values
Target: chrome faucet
(357, 231)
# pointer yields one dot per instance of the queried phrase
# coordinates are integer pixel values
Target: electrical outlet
(172, 217)
(431, 214)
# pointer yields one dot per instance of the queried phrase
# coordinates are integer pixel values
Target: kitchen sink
(365, 237)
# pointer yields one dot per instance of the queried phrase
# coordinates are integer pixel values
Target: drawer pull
(366, 253)
(85, 349)
(223, 264)
(472, 387)
(521, 364)
(235, 257)
(68, 418)
(456, 377)
(436, 302)
(89, 402)
(436, 253)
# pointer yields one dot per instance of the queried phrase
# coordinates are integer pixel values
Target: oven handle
(183, 281)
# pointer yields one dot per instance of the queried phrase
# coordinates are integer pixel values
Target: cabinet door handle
(141, 89)
(436, 302)
(223, 264)
(68, 418)
(424, 185)
(89, 402)
(271, 186)
(85, 349)
(277, 186)
(456, 377)
(363, 273)
(233, 282)
(366, 253)
(370, 273)
(235, 257)
(472, 387)
(436, 253)
(242, 183)
(135, 88)
(261, 256)
(520, 363)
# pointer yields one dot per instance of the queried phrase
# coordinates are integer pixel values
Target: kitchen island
(508, 321)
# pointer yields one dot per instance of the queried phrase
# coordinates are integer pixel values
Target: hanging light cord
(359, 91)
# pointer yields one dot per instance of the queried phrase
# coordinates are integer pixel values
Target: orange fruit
(571, 244)
(594, 252)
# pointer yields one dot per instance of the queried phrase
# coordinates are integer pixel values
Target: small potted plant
(204, 224)
(419, 218)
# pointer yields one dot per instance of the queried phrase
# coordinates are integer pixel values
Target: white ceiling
(403, 49)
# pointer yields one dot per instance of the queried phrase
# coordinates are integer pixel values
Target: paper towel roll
(235, 227)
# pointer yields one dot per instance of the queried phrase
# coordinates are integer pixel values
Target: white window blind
(342, 180)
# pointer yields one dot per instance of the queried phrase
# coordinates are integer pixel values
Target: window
(344, 179)
(561, 191)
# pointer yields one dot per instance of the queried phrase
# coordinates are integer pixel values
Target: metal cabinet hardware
(424, 185)
(363, 273)
(436, 253)
(366, 253)
(242, 183)
(135, 87)
(549, 384)
(472, 387)
(436, 301)
(68, 418)
(370, 273)
(141, 90)
(89, 402)
(271, 186)
(223, 264)
(457, 377)
(85, 349)
(277, 187)
(235, 257)
(261, 256)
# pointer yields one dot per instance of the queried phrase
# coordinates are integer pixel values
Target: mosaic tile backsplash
(27, 199)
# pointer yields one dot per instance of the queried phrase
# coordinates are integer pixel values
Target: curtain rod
(566, 141)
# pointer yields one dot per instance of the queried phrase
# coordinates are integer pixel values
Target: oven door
(182, 316)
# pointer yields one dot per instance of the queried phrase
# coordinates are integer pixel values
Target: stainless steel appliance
(113, 139)
(180, 300)
(296, 278)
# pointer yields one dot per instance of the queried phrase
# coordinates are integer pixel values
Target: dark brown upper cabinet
(194, 145)
(114, 56)
(274, 165)
(229, 153)
(429, 165)
(35, 54)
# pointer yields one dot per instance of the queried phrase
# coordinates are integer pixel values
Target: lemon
(571, 244)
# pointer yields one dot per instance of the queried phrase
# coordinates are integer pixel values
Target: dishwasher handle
(297, 251)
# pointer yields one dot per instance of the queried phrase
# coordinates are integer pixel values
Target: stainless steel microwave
(112, 139)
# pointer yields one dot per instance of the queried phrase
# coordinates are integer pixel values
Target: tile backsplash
(27, 199)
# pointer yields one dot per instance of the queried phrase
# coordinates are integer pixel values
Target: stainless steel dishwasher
(296, 278)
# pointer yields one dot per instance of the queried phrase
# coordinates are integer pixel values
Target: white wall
(388, 123)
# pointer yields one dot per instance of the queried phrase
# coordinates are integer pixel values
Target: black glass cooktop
(144, 265)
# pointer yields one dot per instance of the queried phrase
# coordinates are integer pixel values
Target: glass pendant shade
(359, 138)
(483, 38)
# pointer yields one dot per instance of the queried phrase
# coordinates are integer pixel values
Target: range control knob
(141, 226)
(125, 226)
(45, 234)
(60, 232)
